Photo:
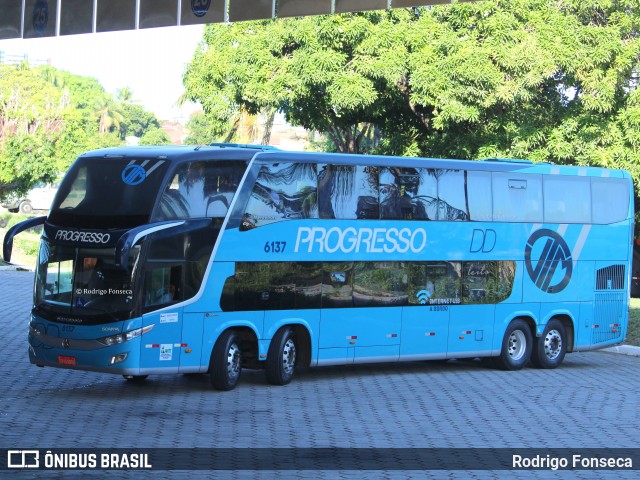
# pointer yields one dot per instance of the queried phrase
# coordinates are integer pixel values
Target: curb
(624, 350)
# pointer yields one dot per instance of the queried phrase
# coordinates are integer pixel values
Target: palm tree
(125, 95)
(109, 114)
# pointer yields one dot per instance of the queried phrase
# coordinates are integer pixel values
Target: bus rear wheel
(516, 346)
(550, 348)
(225, 365)
(281, 357)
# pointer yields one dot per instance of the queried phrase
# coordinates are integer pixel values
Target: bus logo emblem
(555, 253)
(133, 175)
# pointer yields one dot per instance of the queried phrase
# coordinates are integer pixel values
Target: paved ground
(591, 401)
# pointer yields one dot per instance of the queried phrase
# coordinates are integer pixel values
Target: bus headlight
(124, 337)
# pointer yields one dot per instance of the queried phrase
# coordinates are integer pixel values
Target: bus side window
(309, 285)
(336, 285)
(487, 282)
(452, 204)
(567, 199)
(348, 192)
(610, 200)
(406, 193)
(379, 284)
(479, 196)
(517, 197)
(162, 285)
(284, 191)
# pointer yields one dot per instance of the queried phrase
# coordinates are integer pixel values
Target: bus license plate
(64, 360)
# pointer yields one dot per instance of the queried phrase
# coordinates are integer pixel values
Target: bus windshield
(84, 282)
(108, 193)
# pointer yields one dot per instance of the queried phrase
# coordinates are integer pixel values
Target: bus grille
(608, 317)
(610, 278)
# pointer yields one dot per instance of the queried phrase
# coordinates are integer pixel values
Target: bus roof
(264, 154)
(489, 165)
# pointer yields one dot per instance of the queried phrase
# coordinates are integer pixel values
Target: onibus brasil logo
(552, 271)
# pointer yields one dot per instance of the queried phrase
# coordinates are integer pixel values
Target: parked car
(12, 203)
(39, 197)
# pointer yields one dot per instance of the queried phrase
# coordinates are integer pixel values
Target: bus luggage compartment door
(470, 330)
(373, 332)
(425, 329)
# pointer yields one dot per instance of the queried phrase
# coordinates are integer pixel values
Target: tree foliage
(48, 117)
(548, 80)
(155, 136)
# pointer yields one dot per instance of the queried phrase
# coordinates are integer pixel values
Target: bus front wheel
(516, 346)
(281, 357)
(225, 365)
(550, 348)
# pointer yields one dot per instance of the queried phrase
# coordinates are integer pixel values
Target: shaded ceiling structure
(48, 18)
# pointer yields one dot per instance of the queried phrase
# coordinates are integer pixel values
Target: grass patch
(633, 332)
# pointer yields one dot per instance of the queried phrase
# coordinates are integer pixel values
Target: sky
(150, 62)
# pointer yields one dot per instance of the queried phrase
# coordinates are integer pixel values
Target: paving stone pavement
(592, 401)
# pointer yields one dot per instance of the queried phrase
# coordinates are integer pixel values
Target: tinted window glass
(163, 285)
(305, 285)
(347, 192)
(201, 189)
(108, 192)
(517, 198)
(284, 191)
(567, 199)
(480, 197)
(487, 282)
(407, 194)
(309, 285)
(452, 200)
(336, 285)
(252, 286)
(379, 284)
(436, 283)
(177, 263)
(610, 199)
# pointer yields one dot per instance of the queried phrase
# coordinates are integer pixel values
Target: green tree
(547, 80)
(201, 131)
(124, 95)
(110, 114)
(155, 136)
(46, 120)
(136, 120)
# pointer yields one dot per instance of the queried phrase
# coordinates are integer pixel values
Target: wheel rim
(233, 362)
(517, 345)
(289, 357)
(553, 344)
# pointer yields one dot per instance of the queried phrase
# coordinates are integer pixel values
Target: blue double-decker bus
(214, 259)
